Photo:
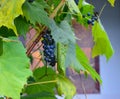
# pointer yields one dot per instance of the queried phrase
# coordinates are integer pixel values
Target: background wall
(109, 71)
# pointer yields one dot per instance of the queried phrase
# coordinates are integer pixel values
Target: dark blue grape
(88, 14)
(95, 18)
(53, 63)
(51, 50)
(92, 20)
(52, 46)
(92, 23)
(46, 59)
(44, 42)
(52, 56)
(76, 1)
(89, 21)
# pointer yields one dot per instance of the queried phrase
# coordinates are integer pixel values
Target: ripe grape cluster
(91, 18)
(49, 48)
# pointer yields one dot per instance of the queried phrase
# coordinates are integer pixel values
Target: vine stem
(35, 41)
(57, 8)
(44, 28)
(45, 82)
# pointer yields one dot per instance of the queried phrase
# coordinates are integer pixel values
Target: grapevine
(50, 24)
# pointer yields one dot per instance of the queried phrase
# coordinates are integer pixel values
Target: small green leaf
(40, 75)
(86, 8)
(65, 86)
(112, 2)
(14, 69)
(5, 32)
(22, 25)
(102, 44)
(35, 13)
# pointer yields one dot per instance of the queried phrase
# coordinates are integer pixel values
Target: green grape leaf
(102, 44)
(71, 59)
(66, 57)
(39, 95)
(9, 10)
(86, 8)
(35, 13)
(1, 46)
(5, 32)
(83, 60)
(40, 75)
(22, 25)
(65, 86)
(62, 33)
(14, 66)
(112, 2)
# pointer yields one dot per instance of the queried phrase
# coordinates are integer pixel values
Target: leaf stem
(102, 9)
(44, 82)
(57, 8)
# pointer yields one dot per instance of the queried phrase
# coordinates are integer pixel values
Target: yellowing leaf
(112, 2)
(65, 86)
(9, 10)
(102, 43)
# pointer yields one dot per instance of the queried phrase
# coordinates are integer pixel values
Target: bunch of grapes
(49, 48)
(91, 18)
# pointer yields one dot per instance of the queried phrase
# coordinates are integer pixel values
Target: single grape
(89, 21)
(52, 46)
(88, 14)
